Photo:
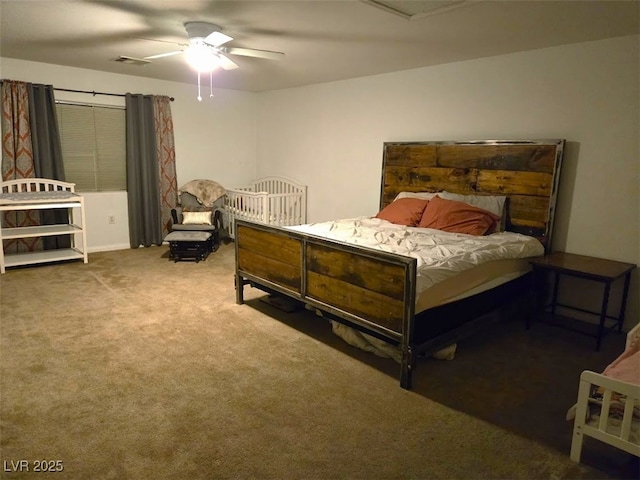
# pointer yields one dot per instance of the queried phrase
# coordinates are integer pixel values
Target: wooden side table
(591, 268)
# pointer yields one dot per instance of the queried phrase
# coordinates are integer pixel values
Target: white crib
(271, 200)
(613, 415)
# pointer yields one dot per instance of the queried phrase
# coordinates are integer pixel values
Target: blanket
(206, 191)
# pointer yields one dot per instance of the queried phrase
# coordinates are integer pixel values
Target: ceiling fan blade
(226, 63)
(251, 52)
(170, 42)
(161, 55)
(216, 39)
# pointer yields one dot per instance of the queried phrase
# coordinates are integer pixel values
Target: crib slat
(626, 420)
(604, 413)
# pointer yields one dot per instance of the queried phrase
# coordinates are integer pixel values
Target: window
(93, 146)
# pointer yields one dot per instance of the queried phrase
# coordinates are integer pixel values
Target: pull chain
(199, 96)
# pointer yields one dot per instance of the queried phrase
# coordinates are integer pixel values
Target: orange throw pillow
(457, 217)
(405, 211)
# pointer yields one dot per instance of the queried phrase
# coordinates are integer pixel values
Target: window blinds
(93, 146)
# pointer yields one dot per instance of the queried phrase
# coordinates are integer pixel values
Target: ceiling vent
(414, 10)
(132, 61)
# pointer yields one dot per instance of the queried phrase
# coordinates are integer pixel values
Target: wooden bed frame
(374, 291)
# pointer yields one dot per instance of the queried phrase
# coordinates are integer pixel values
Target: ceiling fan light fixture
(201, 57)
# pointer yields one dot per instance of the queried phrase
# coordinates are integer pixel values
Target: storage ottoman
(189, 245)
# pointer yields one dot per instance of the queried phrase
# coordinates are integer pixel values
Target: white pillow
(491, 203)
(196, 218)
(420, 195)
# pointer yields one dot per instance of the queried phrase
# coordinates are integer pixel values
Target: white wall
(330, 136)
(214, 139)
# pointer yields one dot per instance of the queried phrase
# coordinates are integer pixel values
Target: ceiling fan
(207, 40)
(206, 51)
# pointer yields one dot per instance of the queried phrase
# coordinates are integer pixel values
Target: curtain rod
(95, 93)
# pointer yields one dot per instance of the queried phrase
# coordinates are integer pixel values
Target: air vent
(414, 10)
(132, 61)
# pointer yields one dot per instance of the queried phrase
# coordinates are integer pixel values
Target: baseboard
(108, 248)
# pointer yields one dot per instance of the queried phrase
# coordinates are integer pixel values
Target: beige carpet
(136, 367)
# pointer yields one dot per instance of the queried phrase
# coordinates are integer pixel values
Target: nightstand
(591, 268)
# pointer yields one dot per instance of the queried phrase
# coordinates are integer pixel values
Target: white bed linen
(440, 255)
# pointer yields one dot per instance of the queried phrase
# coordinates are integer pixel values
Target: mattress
(471, 282)
(13, 198)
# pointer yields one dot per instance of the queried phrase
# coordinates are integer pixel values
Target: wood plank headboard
(527, 172)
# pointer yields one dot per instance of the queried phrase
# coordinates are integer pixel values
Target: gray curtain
(45, 134)
(47, 153)
(143, 191)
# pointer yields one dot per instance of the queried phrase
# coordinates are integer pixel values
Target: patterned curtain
(166, 153)
(17, 158)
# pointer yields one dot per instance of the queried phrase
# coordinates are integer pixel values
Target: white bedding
(440, 255)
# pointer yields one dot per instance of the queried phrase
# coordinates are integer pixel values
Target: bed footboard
(370, 289)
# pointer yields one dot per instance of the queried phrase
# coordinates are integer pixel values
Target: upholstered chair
(200, 209)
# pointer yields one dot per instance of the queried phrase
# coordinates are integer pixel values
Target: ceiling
(322, 40)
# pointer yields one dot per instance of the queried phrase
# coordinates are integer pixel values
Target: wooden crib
(271, 200)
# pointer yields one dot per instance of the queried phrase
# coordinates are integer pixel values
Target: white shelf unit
(43, 194)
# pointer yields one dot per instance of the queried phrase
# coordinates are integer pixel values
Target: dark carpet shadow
(523, 381)
(319, 328)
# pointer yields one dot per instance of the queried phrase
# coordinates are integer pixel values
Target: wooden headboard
(527, 172)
